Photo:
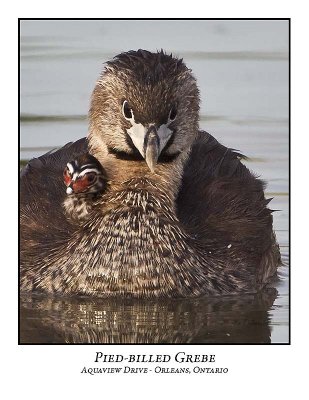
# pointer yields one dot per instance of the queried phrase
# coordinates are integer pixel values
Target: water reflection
(241, 319)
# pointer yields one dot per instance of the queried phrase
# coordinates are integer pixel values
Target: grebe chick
(85, 179)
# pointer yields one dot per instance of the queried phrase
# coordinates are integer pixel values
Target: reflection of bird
(240, 318)
(85, 179)
(182, 216)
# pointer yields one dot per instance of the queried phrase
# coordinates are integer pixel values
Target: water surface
(242, 73)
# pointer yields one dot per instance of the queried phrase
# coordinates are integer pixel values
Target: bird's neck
(78, 206)
(124, 172)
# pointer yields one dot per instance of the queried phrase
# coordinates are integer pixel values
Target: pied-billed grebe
(85, 179)
(182, 216)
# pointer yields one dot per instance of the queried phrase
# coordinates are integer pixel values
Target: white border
(35, 372)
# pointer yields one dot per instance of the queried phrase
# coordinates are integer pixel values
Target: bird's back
(222, 202)
(42, 191)
(41, 179)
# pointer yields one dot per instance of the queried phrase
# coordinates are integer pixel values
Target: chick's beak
(69, 189)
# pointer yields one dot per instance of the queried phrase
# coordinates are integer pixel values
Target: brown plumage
(182, 216)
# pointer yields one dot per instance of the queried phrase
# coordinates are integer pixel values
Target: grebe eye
(173, 114)
(126, 110)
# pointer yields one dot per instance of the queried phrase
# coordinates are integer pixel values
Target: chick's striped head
(84, 175)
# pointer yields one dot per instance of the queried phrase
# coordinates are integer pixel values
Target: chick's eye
(126, 110)
(173, 114)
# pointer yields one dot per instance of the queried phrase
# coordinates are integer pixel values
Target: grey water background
(242, 69)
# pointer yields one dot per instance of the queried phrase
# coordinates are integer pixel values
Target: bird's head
(145, 105)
